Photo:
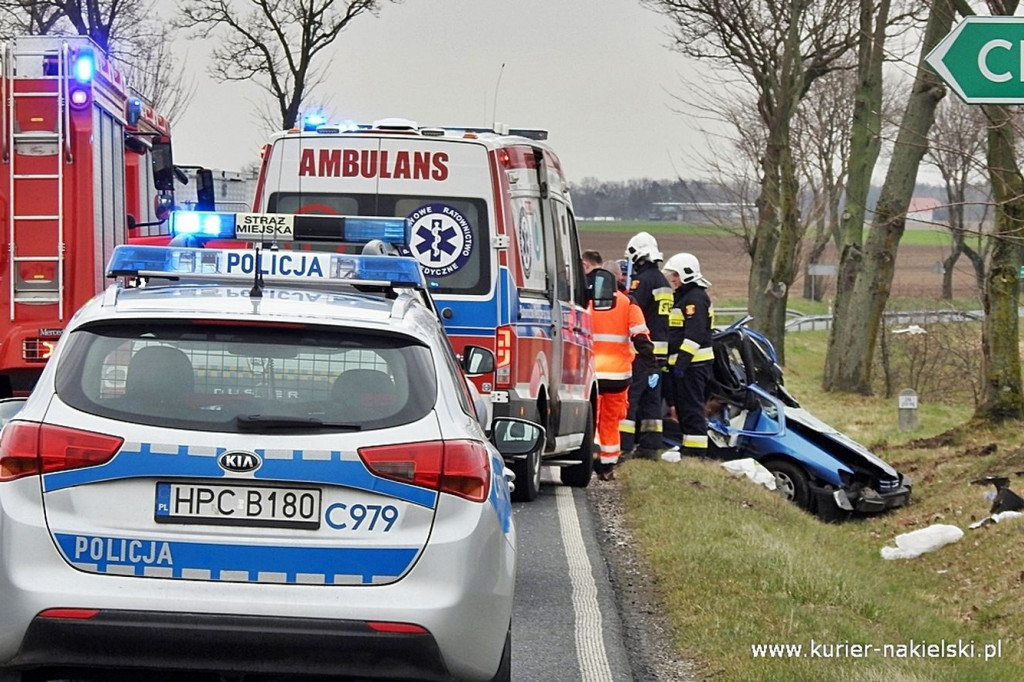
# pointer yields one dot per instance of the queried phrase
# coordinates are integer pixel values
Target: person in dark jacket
(642, 427)
(690, 354)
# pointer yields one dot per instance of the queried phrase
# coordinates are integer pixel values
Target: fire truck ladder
(52, 142)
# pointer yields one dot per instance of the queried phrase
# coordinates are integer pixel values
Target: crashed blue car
(751, 414)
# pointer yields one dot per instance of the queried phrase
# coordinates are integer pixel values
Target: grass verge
(736, 566)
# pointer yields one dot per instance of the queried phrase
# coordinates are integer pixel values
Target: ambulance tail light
(504, 339)
(458, 467)
(31, 449)
(37, 350)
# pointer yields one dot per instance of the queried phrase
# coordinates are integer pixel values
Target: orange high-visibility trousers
(611, 409)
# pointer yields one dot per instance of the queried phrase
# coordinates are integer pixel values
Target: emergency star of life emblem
(441, 239)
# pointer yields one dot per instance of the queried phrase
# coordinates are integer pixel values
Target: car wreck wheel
(791, 482)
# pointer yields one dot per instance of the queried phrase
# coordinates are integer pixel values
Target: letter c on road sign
(983, 59)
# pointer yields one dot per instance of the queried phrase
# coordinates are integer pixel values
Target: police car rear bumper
(194, 643)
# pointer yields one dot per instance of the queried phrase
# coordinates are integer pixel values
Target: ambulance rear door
(442, 186)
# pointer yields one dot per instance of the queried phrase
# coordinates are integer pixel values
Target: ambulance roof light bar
(319, 269)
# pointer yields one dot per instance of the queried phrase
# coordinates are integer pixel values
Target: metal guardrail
(798, 322)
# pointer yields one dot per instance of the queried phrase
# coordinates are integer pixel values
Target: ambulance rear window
(450, 238)
(222, 377)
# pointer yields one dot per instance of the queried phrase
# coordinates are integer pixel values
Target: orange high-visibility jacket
(613, 337)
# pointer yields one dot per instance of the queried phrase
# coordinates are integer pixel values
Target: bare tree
(274, 42)
(129, 31)
(823, 139)
(867, 266)
(31, 17)
(780, 47)
(956, 147)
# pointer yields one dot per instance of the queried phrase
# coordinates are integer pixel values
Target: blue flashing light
(131, 260)
(388, 230)
(287, 266)
(83, 65)
(208, 224)
(398, 270)
(134, 113)
(313, 121)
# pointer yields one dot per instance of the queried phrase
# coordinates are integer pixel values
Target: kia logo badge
(239, 461)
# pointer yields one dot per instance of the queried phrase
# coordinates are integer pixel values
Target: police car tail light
(415, 463)
(397, 628)
(466, 471)
(69, 614)
(29, 449)
(456, 467)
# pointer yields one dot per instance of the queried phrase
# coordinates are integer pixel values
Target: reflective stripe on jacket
(614, 332)
(689, 327)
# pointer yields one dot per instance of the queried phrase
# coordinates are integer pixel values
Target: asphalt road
(566, 625)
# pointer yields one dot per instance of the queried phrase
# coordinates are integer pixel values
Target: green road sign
(982, 59)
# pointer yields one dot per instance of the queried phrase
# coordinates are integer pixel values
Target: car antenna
(257, 284)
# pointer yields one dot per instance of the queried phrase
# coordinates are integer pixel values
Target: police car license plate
(241, 505)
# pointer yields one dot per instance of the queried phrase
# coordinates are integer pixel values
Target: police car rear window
(222, 377)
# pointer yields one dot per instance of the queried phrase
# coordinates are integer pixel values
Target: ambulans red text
(371, 163)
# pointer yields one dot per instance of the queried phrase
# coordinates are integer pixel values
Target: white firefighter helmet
(643, 245)
(687, 267)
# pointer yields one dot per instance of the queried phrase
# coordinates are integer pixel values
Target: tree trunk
(1002, 398)
(865, 145)
(853, 340)
(766, 238)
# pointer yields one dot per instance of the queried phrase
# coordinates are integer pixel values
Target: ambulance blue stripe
(483, 313)
(114, 554)
(145, 463)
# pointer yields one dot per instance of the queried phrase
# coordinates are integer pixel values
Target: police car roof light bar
(286, 227)
(297, 268)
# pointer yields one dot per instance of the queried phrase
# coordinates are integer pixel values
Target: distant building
(700, 212)
(922, 209)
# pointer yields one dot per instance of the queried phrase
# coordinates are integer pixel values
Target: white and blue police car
(256, 464)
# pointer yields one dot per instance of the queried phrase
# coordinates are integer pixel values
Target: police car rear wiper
(273, 421)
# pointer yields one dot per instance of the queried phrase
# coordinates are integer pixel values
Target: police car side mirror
(602, 289)
(516, 437)
(477, 360)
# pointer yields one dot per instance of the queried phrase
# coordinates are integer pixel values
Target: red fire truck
(63, 190)
(149, 171)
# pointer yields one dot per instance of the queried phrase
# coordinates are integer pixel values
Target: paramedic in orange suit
(620, 334)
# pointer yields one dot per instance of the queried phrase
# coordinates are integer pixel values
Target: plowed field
(727, 267)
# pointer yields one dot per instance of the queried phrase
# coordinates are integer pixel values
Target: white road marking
(590, 651)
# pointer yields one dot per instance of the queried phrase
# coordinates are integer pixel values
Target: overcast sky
(596, 73)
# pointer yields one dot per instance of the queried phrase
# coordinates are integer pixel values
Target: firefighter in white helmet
(690, 354)
(642, 426)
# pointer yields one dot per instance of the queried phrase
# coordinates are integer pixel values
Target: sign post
(982, 60)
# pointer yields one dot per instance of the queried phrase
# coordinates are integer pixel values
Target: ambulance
(487, 214)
